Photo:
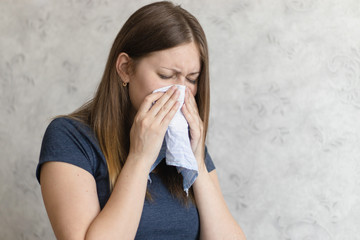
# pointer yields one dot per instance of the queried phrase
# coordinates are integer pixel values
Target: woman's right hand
(150, 125)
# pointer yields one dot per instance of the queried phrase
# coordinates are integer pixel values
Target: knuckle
(148, 99)
(164, 108)
(144, 123)
(137, 119)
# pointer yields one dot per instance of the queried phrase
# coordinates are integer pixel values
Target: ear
(122, 67)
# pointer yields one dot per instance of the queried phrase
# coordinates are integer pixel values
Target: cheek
(138, 90)
(141, 86)
(135, 96)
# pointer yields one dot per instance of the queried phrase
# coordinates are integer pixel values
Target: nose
(180, 79)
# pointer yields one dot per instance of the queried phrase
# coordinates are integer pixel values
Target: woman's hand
(192, 116)
(150, 124)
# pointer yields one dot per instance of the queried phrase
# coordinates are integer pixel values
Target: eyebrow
(177, 71)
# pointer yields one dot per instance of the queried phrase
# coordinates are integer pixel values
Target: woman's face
(177, 65)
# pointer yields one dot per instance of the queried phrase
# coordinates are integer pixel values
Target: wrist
(139, 162)
(200, 158)
(202, 177)
(201, 166)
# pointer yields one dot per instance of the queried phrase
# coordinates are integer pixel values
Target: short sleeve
(64, 141)
(208, 161)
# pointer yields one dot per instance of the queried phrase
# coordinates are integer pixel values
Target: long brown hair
(154, 27)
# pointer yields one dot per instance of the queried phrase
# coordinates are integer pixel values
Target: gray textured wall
(284, 130)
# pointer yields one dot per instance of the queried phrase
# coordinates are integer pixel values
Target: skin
(69, 192)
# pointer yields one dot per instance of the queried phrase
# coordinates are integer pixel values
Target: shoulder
(65, 135)
(68, 140)
(69, 130)
(63, 124)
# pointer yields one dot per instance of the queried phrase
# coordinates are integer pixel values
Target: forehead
(185, 57)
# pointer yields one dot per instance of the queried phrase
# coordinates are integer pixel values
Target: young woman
(95, 163)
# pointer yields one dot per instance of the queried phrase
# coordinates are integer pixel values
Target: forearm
(121, 215)
(216, 221)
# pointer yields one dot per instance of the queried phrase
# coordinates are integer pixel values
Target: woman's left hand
(191, 113)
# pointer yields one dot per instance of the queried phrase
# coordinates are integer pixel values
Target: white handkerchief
(178, 148)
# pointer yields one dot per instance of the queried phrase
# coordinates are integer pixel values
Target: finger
(195, 123)
(167, 107)
(188, 116)
(169, 116)
(148, 102)
(171, 94)
(190, 102)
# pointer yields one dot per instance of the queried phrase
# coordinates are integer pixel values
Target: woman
(95, 163)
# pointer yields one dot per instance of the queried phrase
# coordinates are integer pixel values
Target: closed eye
(164, 76)
(192, 81)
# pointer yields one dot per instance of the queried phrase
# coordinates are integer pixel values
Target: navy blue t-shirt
(165, 217)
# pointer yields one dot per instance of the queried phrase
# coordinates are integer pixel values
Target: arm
(70, 195)
(216, 221)
(71, 201)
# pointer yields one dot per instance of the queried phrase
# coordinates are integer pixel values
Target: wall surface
(285, 93)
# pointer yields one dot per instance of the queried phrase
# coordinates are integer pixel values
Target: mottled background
(285, 94)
